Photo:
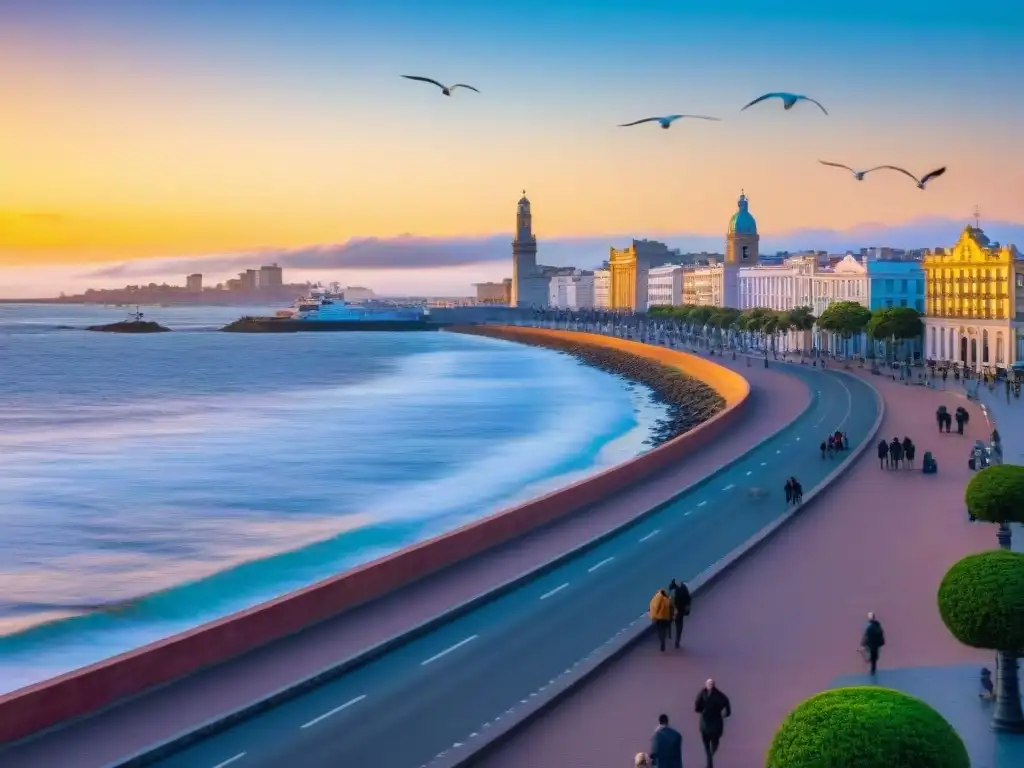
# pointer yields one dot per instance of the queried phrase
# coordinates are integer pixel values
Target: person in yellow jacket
(661, 615)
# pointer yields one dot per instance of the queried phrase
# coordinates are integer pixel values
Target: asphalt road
(405, 708)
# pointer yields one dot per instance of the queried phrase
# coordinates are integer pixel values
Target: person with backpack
(871, 641)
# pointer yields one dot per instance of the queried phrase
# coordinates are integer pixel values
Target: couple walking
(668, 607)
(667, 743)
(794, 491)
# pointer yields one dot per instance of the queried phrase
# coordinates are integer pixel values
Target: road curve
(469, 673)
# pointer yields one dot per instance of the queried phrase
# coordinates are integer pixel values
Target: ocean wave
(130, 519)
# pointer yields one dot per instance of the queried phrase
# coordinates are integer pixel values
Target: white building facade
(602, 288)
(665, 286)
(575, 291)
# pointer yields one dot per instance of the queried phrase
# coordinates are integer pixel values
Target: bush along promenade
(996, 495)
(690, 402)
(866, 727)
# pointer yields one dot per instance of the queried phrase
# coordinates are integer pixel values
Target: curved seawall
(38, 707)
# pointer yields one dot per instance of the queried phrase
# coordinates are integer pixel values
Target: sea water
(151, 483)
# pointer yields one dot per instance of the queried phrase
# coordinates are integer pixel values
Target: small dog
(641, 761)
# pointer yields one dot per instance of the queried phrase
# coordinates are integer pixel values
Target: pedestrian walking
(846, 441)
(789, 492)
(883, 453)
(798, 491)
(895, 453)
(908, 449)
(824, 447)
(666, 745)
(713, 707)
(831, 445)
(661, 615)
(871, 641)
(681, 601)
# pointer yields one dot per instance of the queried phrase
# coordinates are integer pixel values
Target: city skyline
(173, 130)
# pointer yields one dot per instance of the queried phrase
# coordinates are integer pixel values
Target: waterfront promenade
(123, 730)
(786, 623)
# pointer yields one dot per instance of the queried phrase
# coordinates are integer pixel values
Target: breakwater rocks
(690, 402)
(130, 326)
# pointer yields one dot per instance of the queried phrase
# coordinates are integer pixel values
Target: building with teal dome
(742, 223)
(741, 239)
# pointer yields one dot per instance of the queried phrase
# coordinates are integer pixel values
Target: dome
(742, 223)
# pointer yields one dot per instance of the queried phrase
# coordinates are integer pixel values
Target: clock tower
(525, 276)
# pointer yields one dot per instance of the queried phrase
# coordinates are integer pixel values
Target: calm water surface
(150, 483)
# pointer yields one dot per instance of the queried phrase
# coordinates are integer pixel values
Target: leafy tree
(845, 319)
(895, 323)
(981, 601)
(996, 495)
(866, 727)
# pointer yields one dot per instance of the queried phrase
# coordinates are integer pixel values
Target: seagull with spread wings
(858, 175)
(923, 181)
(666, 121)
(445, 89)
(789, 100)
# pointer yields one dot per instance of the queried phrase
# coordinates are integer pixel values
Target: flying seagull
(920, 182)
(789, 100)
(858, 175)
(445, 89)
(666, 121)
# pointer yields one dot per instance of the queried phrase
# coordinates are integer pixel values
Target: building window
(919, 305)
(903, 287)
(888, 285)
(888, 303)
(903, 302)
(1020, 281)
(746, 251)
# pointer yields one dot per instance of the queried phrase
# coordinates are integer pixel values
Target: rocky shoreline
(690, 402)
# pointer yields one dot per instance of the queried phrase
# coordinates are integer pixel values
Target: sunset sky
(196, 128)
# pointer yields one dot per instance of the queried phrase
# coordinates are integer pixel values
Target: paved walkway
(787, 622)
(183, 705)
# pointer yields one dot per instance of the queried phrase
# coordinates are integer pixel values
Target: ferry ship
(323, 311)
(321, 306)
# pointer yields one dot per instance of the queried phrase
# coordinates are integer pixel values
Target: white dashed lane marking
(702, 504)
(554, 591)
(446, 651)
(651, 534)
(230, 760)
(334, 711)
(729, 487)
(750, 472)
(603, 563)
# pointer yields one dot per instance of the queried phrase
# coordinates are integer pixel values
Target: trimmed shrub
(996, 494)
(866, 727)
(981, 600)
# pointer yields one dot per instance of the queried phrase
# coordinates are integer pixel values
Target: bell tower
(524, 256)
(741, 239)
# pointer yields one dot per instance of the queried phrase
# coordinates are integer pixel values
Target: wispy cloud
(409, 252)
(40, 217)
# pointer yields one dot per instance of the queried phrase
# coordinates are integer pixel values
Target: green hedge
(981, 600)
(996, 494)
(866, 727)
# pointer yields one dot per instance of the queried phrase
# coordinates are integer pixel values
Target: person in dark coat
(895, 453)
(713, 707)
(681, 601)
(872, 640)
(666, 745)
(789, 492)
(798, 490)
(883, 453)
(909, 452)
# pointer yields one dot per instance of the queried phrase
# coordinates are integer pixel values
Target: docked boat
(323, 311)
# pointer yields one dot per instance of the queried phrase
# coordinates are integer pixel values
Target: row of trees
(981, 601)
(845, 319)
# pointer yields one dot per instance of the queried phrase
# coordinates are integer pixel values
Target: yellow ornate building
(974, 303)
(629, 268)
